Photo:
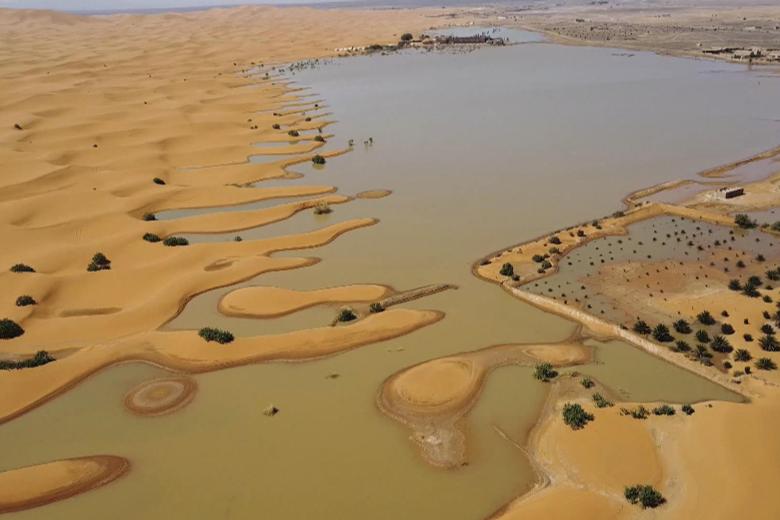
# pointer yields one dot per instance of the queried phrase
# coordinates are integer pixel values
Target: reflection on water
(481, 150)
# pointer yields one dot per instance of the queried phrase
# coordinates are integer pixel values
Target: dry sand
(34, 486)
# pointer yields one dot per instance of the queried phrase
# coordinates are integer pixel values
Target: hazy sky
(85, 5)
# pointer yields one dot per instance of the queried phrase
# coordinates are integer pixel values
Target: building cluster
(743, 54)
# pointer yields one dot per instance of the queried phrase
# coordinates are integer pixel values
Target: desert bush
(765, 364)
(702, 336)
(773, 274)
(275, 126)
(721, 344)
(40, 358)
(319, 138)
(218, 335)
(537, 258)
(769, 343)
(22, 268)
(25, 300)
(587, 382)
(507, 269)
(99, 263)
(545, 372)
(661, 333)
(318, 159)
(293, 133)
(159, 181)
(601, 401)
(175, 241)
(546, 264)
(322, 208)
(742, 354)
(682, 327)
(9, 329)
(640, 327)
(734, 285)
(406, 37)
(151, 237)
(555, 240)
(644, 495)
(727, 329)
(681, 346)
(664, 409)
(148, 217)
(575, 416)
(687, 409)
(705, 318)
(346, 314)
(640, 412)
(375, 308)
(766, 328)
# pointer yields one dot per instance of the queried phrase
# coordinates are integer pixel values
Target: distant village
(425, 41)
(753, 54)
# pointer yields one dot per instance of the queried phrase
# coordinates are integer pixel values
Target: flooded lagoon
(481, 150)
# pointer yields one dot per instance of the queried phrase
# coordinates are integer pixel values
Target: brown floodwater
(481, 150)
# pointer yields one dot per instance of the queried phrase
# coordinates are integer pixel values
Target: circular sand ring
(161, 396)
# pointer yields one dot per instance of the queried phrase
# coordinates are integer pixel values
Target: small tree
(702, 336)
(705, 318)
(544, 372)
(575, 416)
(687, 409)
(769, 343)
(661, 333)
(765, 364)
(507, 269)
(640, 327)
(721, 344)
(742, 354)
(682, 327)
(406, 37)
(644, 495)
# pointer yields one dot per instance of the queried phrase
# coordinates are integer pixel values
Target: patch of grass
(218, 335)
(575, 416)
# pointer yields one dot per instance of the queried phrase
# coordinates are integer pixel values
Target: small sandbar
(373, 194)
(269, 302)
(161, 396)
(33, 486)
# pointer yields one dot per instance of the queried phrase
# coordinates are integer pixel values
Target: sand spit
(434, 397)
(161, 396)
(34, 486)
(184, 351)
(269, 302)
(373, 194)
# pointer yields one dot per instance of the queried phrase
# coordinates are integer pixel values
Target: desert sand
(33, 486)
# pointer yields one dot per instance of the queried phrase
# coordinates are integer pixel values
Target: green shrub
(25, 300)
(702, 336)
(22, 268)
(544, 372)
(318, 159)
(765, 364)
(159, 181)
(734, 285)
(346, 314)
(687, 409)
(507, 269)
(175, 241)
(640, 327)
(319, 138)
(601, 401)
(546, 265)
(99, 263)
(575, 416)
(151, 237)
(681, 346)
(9, 329)
(664, 409)
(375, 308)
(537, 258)
(218, 335)
(587, 382)
(644, 495)
(275, 126)
(406, 37)
(293, 133)
(766, 328)
(726, 328)
(744, 221)
(40, 358)
(640, 412)
(555, 240)
(149, 217)
(742, 355)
